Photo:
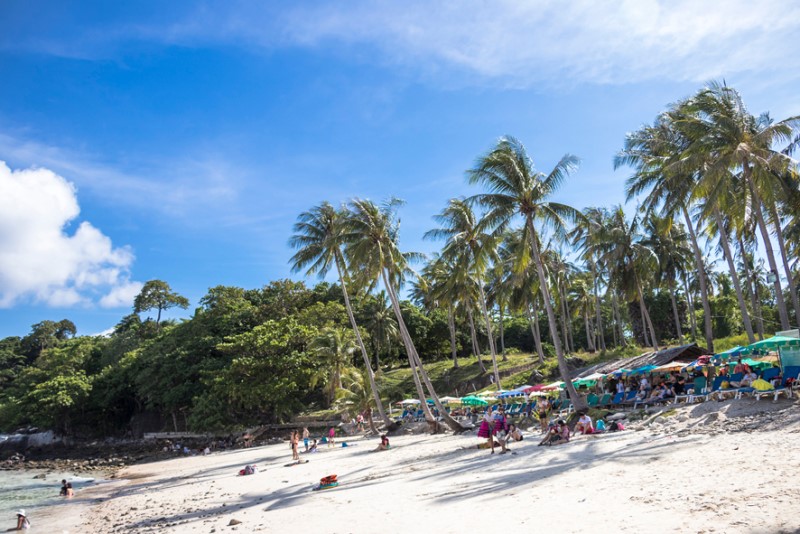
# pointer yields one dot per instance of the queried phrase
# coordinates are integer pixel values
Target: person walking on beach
(331, 436)
(544, 411)
(305, 437)
(295, 440)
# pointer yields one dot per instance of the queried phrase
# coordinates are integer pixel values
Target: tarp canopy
(491, 393)
(584, 382)
(410, 401)
(450, 400)
(472, 400)
(643, 369)
(593, 376)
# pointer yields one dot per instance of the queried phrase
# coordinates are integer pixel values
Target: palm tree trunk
(372, 384)
(598, 311)
(762, 226)
(690, 302)
(451, 325)
(675, 314)
(618, 318)
(789, 275)
(489, 333)
(414, 359)
(701, 272)
(645, 337)
(751, 289)
(589, 340)
(646, 313)
(726, 249)
(502, 335)
(568, 318)
(577, 401)
(476, 349)
(537, 341)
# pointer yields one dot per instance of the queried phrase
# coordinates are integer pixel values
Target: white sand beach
(716, 467)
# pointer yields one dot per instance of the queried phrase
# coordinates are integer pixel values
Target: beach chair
(617, 400)
(592, 400)
(630, 398)
(790, 372)
(604, 401)
(699, 389)
(715, 386)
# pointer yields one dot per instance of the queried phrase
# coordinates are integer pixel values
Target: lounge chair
(592, 400)
(790, 372)
(699, 389)
(617, 399)
(604, 401)
(630, 398)
(715, 386)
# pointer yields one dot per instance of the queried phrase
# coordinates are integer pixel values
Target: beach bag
(330, 479)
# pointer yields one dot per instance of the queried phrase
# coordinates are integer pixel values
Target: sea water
(19, 489)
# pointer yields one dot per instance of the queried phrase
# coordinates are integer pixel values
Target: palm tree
(725, 138)
(655, 154)
(371, 238)
(440, 289)
(629, 260)
(522, 281)
(515, 188)
(335, 347)
(318, 235)
(469, 242)
(584, 239)
(356, 395)
(669, 243)
(381, 325)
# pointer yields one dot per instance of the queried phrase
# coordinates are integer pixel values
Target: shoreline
(629, 481)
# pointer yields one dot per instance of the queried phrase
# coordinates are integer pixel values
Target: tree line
(517, 271)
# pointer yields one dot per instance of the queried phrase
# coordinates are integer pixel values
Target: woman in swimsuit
(544, 409)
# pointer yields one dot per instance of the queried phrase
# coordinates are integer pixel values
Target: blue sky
(180, 142)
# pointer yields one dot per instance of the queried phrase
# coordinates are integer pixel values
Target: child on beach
(331, 436)
(22, 521)
(384, 444)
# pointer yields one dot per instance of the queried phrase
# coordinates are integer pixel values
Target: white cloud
(121, 295)
(40, 260)
(522, 43)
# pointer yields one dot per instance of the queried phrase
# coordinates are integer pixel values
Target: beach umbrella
(491, 393)
(450, 400)
(584, 382)
(735, 351)
(771, 344)
(410, 401)
(593, 376)
(472, 400)
(672, 366)
(620, 372)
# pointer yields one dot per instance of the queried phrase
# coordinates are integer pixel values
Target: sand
(716, 467)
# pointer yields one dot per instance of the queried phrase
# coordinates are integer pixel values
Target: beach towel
(761, 385)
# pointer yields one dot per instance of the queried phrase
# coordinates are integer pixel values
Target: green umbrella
(773, 343)
(473, 401)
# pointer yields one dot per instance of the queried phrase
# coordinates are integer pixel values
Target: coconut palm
(516, 188)
(381, 325)
(655, 153)
(583, 238)
(335, 348)
(469, 243)
(630, 260)
(669, 242)
(372, 246)
(439, 288)
(318, 237)
(725, 139)
(356, 396)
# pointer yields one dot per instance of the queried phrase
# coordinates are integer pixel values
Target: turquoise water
(18, 489)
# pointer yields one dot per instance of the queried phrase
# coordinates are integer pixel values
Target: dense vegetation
(517, 272)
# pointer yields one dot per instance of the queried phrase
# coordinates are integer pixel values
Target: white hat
(21, 512)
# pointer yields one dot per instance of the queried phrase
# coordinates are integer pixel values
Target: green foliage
(157, 295)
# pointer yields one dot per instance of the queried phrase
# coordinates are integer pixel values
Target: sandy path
(633, 481)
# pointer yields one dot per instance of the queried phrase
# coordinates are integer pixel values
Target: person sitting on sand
(584, 425)
(512, 434)
(384, 444)
(22, 521)
(313, 447)
(558, 434)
